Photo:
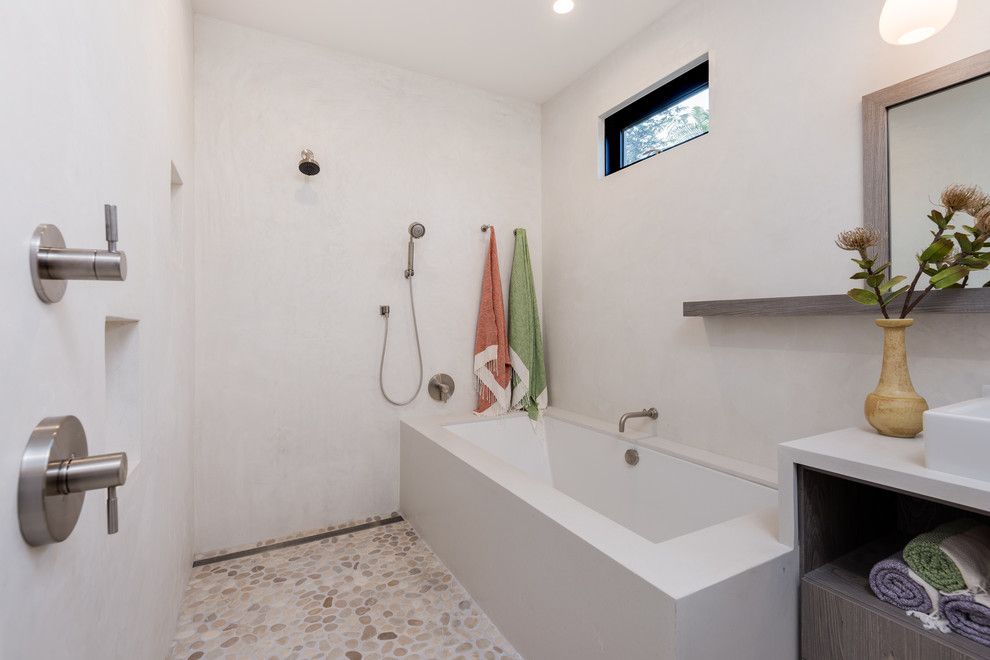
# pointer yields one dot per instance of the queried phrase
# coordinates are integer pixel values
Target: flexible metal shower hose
(419, 355)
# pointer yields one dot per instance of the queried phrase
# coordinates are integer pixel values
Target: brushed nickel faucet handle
(52, 264)
(56, 472)
(441, 388)
(110, 218)
(112, 521)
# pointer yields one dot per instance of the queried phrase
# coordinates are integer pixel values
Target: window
(674, 113)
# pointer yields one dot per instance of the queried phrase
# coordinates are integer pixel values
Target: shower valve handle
(110, 217)
(56, 473)
(52, 264)
(113, 522)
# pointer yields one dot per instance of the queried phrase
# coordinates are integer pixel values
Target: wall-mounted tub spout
(652, 413)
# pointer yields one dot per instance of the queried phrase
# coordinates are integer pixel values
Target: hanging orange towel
(492, 364)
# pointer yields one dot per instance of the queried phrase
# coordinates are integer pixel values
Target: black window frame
(670, 93)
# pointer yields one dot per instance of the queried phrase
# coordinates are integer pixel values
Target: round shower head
(308, 164)
(417, 230)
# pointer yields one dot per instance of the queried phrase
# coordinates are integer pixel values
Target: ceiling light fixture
(904, 22)
(563, 6)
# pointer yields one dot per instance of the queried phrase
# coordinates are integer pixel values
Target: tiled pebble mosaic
(379, 593)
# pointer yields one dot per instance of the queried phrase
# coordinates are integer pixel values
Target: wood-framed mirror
(920, 136)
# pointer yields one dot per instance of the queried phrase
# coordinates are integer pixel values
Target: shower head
(308, 164)
(417, 230)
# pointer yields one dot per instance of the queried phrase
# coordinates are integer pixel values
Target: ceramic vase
(894, 408)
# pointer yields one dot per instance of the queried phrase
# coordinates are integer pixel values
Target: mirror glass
(935, 141)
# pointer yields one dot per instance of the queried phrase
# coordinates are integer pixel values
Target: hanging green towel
(529, 375)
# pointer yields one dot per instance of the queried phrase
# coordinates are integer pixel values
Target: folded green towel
(925, 556)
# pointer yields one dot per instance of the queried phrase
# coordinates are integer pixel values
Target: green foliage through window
(667, 128)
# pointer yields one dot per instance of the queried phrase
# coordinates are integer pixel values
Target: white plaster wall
(747, 211)
(97, 103)
(292, 432)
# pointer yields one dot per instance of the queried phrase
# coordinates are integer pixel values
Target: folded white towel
(970, 551)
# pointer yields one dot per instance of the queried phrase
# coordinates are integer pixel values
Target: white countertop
(865, 455)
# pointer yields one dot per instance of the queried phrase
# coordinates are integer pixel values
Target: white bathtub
(576, 554)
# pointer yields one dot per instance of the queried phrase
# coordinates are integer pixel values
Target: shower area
(328, 294)
(292, 271)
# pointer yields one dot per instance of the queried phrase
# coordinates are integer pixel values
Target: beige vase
(894, 408)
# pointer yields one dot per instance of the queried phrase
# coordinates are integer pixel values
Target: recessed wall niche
(123, 388)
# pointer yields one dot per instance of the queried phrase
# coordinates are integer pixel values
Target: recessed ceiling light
(563, 6)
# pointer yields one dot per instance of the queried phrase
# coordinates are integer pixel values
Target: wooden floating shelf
(948, 301)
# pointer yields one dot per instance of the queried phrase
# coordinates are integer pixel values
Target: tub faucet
(652, 413)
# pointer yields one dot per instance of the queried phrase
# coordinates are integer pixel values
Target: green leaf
(890, 296)
(880, 269)
(863, 296)
(946, 278)
(936, 251)
(862, 275)
(891, 283)
(965, 244)
(975, 263)
(875, 279)
(929, 271)
(936, 217)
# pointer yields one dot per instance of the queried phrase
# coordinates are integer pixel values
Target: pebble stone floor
(377, 593)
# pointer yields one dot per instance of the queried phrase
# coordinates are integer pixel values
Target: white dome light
(904, 22)
(563, 6)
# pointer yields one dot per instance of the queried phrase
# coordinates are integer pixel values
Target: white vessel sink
(957, 438)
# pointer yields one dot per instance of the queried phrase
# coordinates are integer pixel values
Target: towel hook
(487, 227)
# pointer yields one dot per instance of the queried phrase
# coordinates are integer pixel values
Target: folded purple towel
(966, 617)
(890, 581)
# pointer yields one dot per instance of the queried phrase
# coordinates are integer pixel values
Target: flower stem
(876, 289)
(917, 300)
(907, 306)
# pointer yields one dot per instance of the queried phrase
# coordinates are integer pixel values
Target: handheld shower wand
(416, 230)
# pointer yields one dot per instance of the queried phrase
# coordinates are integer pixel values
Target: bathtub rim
(758, 474)
(679, 566)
